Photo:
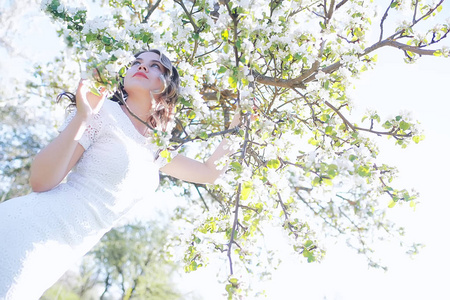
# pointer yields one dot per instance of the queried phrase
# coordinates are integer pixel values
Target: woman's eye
(155, 66)
(135, 63)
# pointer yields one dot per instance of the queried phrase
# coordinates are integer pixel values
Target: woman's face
(144, 75)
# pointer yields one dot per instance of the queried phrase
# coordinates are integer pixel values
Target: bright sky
(391, 87)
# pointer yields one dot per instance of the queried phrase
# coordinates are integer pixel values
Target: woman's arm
(52, 163)
(191, 170)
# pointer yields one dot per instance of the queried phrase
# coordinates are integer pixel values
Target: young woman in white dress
(110, 165)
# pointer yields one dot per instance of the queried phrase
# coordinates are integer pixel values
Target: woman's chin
(138, 88)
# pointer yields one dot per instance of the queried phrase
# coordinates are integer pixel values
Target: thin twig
(210, 135)
(383, 19)
(213, 50)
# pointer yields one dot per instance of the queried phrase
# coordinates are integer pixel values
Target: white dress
(43, 234)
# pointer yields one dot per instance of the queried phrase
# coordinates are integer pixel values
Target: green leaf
(191, 115)
(309, 255)
(123, 71)
(247, 188)
(236, 166)
(404, 125)
(90, 37)
(332, 170)
(437, 53)
(316, 181)
(418, 138)
(222, 69)
(358, 32)
(185, 102)
(106, 40)
(224, 35)
(203, 135)
(226, 48)
(325, 117)
(232, 81)
(364, 171)
(94, 91)
(259, 207)
(313, 142)
(164, 153)
(239, 44)
(392, 203)
(273, 164)
(387, 125)
(327, 181)
(376, 117)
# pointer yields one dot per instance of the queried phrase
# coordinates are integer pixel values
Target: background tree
(304, 164)
(25, 121)
(130, 262)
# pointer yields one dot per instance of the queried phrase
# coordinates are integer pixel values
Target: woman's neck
(140, 108)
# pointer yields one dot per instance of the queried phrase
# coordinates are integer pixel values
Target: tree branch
(188, 14)
(150, 10)
(330, 12)
(395, 44)
(340, 4)
(238, 195)
(393, 132)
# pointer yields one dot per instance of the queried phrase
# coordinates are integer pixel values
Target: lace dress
(43, 234)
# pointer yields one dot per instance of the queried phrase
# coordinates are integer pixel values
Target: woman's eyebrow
(151, 61)
(156, 61)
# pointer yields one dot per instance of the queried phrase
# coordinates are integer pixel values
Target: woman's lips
(140, 74)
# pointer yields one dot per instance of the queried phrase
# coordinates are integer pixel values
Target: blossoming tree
(304, 163)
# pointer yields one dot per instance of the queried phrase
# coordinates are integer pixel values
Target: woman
(113, 167)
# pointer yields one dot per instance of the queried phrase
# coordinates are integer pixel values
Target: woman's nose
(142, 67)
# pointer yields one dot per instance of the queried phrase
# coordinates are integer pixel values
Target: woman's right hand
(87, 102)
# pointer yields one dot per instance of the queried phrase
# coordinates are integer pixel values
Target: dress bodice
(119, 166)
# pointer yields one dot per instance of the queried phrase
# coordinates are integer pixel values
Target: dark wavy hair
(164, 111)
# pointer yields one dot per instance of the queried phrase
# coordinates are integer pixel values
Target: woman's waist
(111, 199)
